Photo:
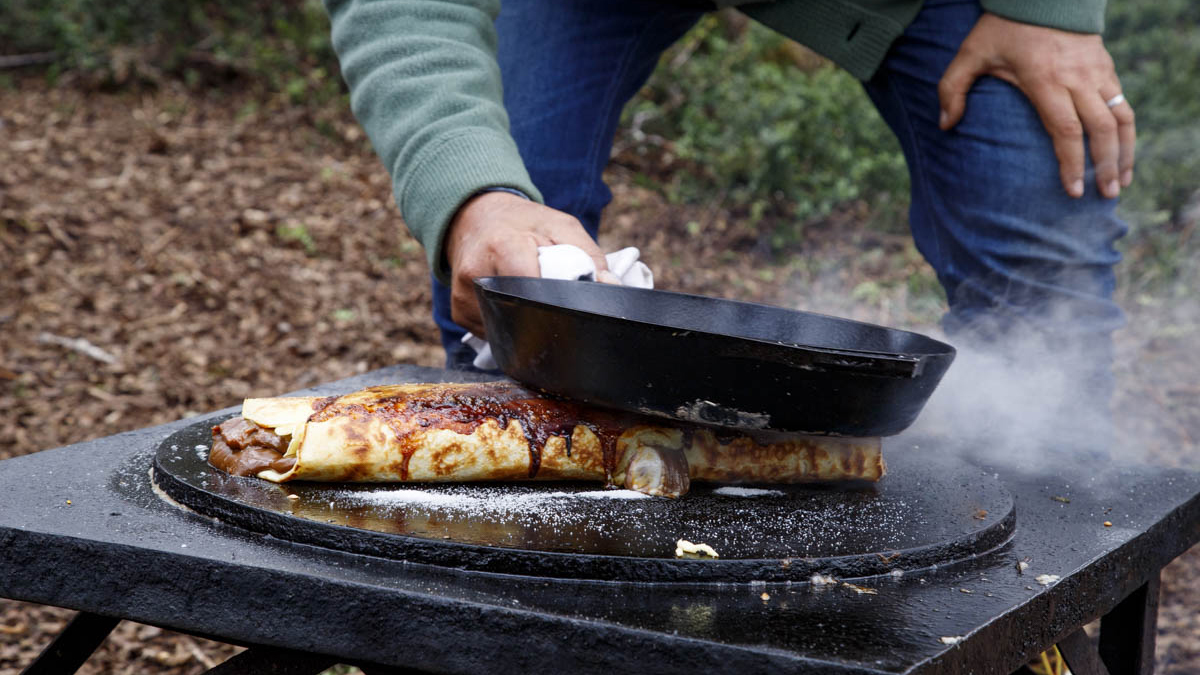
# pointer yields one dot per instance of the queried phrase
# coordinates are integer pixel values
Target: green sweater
(425, 85)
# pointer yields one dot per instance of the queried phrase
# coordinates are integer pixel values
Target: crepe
(500, 431)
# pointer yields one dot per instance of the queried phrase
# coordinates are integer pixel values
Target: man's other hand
(1069, 77)
(498, 234)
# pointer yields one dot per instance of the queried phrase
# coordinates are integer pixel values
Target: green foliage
(284, 46)
(294, 232)
(1156, 46)
(770, 138)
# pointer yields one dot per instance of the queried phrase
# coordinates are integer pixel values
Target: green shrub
(284, 45)
(771, 138)
(1156, 46)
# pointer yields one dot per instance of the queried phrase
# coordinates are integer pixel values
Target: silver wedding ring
(1115, 101)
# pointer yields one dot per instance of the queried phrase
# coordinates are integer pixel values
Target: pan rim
(931, 347)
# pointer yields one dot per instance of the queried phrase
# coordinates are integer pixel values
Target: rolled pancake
(499, 431)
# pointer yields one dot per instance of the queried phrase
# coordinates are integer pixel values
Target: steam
(1021, 407)
(1026, 401)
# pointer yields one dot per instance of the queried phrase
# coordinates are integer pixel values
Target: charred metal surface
(120, 549)
(72, 647)
(911, 519)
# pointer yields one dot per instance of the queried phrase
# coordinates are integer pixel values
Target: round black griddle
(707, 360)
(928, 510)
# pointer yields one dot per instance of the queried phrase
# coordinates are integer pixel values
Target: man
(496, 124)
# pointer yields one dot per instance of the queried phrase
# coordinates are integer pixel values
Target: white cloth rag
(564, 261)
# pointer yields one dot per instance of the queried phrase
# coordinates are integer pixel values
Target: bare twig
(22, 60)
(79, 345)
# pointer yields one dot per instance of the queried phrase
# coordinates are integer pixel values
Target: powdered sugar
(606, 494)
(731, 491)
(478, 499)
(399, 497)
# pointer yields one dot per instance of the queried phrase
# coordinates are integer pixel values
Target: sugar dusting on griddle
(790, 521)
(477, 499)
(735, 491)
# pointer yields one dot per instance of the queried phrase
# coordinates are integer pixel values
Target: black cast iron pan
(708, 360)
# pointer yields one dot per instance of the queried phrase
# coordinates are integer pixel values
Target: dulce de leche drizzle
(462, 408)
(242, 448)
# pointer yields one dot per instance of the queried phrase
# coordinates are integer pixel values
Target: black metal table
(81, 527)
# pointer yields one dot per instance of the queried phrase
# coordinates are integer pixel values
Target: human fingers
(962, 72)
(1101, 127)
(568, 230)
(1126, 131)
(1057, 111)
(505, 253)
(464, 307)
(606, 277)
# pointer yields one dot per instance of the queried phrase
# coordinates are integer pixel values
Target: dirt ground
(168, 254)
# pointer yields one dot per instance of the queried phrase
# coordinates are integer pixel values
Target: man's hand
(1069, 77)
(497, 233)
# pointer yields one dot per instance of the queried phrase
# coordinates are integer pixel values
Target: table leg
(1128, 632)
(72, 647)
(1081, 655)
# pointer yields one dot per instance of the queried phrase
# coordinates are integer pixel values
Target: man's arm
(425, 85)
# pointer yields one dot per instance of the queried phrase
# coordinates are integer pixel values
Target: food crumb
(1108, 523)
(951, 640)
(1064, 500)
(861, 590)
(686, 549)
(981, 514)
(293, 496)
(1022, 566)
(765, 596)
(1046, 579)
(964, 590)
(821, 580)
(68, 501)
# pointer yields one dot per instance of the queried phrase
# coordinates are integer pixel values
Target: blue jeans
(1022, 263)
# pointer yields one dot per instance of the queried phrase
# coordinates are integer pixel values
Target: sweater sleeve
(425, 85)
(1079, 16)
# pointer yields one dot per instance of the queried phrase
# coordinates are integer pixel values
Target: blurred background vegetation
(808, 145)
